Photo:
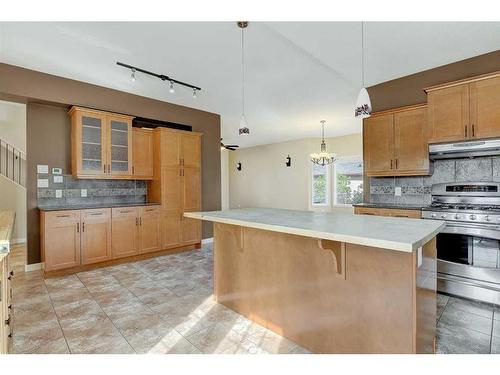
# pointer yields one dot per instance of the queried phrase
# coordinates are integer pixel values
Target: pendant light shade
(363, 104)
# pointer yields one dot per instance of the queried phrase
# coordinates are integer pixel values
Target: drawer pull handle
(7, 322)
(401, 216)
(125, 212)
(62, 215)
(11, 273)
(96, 214)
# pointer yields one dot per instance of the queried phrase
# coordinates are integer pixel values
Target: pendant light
(323, 158)
(363, 104)
(243, 122)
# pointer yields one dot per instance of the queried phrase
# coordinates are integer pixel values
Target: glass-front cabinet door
(90, 129)
(120, 146)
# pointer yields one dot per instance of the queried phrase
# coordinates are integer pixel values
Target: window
(348, 181)
(320, 185)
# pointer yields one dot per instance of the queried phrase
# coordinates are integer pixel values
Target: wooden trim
(99, 112)
(399, 109)
(398, 173)
(113, 262)
(462, 81)
(170, 130)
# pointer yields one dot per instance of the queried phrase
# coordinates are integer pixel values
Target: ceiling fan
(228, 147)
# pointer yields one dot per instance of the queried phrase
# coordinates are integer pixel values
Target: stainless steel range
(468, 249)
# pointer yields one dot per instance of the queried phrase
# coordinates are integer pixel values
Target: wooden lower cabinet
(96, 235)
(60, 239)
(149, 230)
(170, 229)
(190, 230)
(125, 232)
(414, 214)
(5, 306)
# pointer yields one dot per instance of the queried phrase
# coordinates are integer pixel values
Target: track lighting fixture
(163, 77)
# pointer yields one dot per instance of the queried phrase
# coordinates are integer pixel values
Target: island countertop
(400, 234)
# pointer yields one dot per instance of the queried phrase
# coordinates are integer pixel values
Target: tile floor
(164, 305)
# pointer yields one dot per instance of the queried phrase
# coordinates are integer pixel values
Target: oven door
(470, 250)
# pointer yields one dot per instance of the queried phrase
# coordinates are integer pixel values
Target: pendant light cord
(362, 54)
(242, 73)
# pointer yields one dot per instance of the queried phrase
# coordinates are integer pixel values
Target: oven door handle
(476, 230)
(474, 226)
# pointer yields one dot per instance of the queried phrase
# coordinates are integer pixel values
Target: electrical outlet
(58, 193)
(83, 193)
(397, 191)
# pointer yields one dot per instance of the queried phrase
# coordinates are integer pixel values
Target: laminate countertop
(90, 206)
(393, 233)
(392, 205)
(7, 219)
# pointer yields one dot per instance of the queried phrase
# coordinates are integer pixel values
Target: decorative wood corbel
(337, 250)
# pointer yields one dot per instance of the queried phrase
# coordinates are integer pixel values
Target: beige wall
(265, 181)
(13, 196)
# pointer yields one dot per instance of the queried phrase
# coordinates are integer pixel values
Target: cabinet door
(170, 149)
(142, 152)
(485, 108)
(410, 137)
(119, 146)
(414, 214)
(378, 134)
(62, 240)
(191, 189)
(190, 230)
(149, 224)
(124, 232)
(171, 185)
(170, 229)
(96, 235)
(366, 211)
(88, 143)
(191, 150)
(448, 114)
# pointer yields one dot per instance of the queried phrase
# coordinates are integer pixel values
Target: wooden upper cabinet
(448, 114)
(101, 145)
(485, 108)
(191, 150)
(95, 235)
(395, 142)
(378, 136)
(61, 244)
(191, 188)
(410, 141)
(171, 186)
(142, 146)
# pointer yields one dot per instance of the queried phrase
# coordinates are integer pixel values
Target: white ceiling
(297, 72)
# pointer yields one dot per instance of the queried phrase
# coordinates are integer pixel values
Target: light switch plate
(83, 193)
(42, 168)
(58, 193)
(56, 170)
(42, 183)
(397, 191)
(58, 179)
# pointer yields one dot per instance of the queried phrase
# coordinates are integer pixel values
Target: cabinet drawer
(147, 210)
(56, 218)
(97, 213)
(124, 211)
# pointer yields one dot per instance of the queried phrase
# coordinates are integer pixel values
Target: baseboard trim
(18, 241)
(33, 267)
(207, 240)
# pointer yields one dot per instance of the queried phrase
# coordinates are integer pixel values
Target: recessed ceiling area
(298, 73)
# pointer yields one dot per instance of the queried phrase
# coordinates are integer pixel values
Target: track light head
(194, 93)
(132, 76)
(172, 90)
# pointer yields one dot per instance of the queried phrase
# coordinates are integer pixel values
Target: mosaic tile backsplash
(417, 190)
(99, 192)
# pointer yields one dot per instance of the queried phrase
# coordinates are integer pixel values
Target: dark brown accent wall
(48, 137)
(408, 90)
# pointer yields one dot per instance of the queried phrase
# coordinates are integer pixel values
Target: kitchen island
(332, 283)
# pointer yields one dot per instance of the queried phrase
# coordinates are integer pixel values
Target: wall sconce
(238, 166)
(288, 161)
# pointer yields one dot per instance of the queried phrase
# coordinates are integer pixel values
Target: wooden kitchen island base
(328, 296)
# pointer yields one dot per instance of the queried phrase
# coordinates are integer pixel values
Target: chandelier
(323, 158)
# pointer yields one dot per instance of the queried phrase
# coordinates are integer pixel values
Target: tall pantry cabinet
(176, 185)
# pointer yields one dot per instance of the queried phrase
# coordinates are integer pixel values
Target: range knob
(487, 218)
(443, 216)
(472, 217)
(434, 215)
(457, 216)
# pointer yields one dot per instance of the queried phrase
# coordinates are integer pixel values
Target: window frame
(328, 188)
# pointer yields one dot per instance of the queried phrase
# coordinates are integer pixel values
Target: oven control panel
(462, 216)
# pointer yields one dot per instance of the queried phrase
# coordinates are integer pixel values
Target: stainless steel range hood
(469, 149)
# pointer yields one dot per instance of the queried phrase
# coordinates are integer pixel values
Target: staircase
(12, 163)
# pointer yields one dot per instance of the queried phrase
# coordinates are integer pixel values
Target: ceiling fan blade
(232, 146)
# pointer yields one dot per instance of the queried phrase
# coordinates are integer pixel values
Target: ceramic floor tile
(496, 328)
(272, 342)
(457, 340)
(123, 310)
(471, 307)
(455, 317)
(495, 345)
(216, 339)
(442, 300)
(58, 346)
(41, 333)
